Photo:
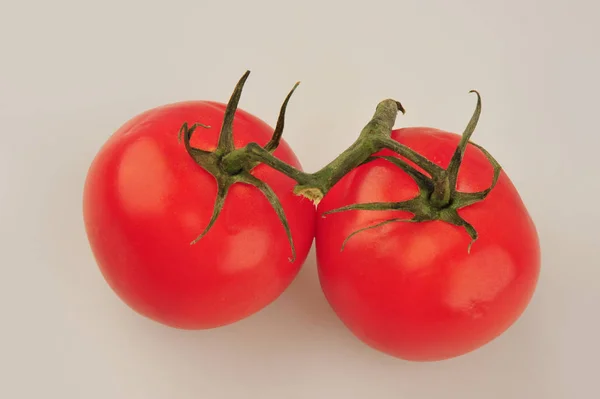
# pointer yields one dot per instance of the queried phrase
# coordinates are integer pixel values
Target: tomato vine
(438, 197)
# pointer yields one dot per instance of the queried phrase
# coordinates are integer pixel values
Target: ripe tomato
(146, 199)
(412, 290)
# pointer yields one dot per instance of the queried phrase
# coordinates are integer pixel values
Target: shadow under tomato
(299, 320)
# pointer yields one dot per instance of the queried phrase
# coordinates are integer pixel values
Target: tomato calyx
(438, 198)
(228, 174)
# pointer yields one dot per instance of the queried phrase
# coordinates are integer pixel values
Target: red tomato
(412, 290)
(146, 199)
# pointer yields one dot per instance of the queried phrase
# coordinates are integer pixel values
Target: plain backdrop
(71, 72)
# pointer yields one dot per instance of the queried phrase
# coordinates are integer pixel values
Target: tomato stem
(368, 142)
(438, 198)
(374, 137)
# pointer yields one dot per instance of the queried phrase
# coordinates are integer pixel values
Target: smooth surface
(72, 72)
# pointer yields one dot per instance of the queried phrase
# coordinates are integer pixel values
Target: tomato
(145, 200)
(414, 290)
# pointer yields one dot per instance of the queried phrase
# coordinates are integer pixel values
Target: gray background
(71, 72)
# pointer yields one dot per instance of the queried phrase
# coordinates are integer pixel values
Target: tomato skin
(411, 290)
(145, 199)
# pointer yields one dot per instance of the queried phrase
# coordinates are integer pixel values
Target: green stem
(252, 154)
(372, 139)
(328, 176)
(438, 198)
(369, 142)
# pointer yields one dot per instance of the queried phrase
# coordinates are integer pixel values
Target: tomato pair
(414, 289)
